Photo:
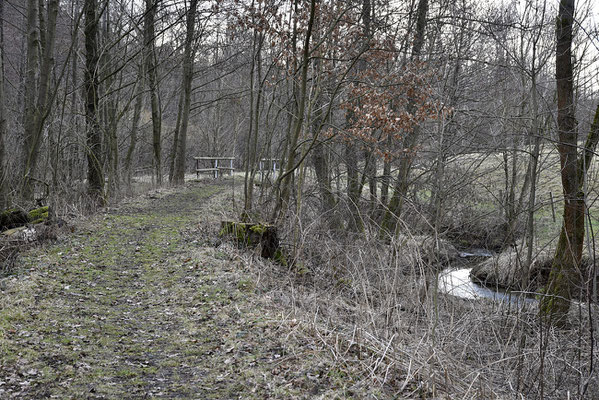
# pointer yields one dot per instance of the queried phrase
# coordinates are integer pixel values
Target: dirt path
(138, 303)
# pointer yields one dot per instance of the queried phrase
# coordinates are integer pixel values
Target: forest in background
(362, 93)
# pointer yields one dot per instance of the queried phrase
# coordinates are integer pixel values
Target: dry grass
(366, 304)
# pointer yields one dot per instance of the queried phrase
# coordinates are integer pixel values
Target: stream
(457, 282)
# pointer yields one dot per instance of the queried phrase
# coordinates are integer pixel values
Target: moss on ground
(135, 304)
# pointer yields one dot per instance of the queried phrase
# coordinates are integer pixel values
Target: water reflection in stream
(456, 282)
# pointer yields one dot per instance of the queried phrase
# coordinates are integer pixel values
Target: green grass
(489, 184)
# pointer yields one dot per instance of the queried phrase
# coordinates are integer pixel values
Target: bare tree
(152, 79)
(37, 98)
(95, 175)
(139, 85)
(285, 177)
(565, 274)
(188, 56)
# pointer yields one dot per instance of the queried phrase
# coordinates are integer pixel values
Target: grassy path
(137, 303)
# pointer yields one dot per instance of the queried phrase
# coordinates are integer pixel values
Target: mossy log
(253, 235)
(14, 217)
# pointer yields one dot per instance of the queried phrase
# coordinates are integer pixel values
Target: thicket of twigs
(374, 305)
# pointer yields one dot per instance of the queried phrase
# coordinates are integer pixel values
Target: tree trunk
(95, 176)
(152, 75)
(532, 170)
(135, 122)
(354, 182)
(3, 176)
(564, 275)
(175, 146)
(371, 174)
(179, 172)
(285, 178)
(30, 85)
(354, 190)
(321, 161)
(251, 146)
(110, 106)
(37, 109)
(74, 156)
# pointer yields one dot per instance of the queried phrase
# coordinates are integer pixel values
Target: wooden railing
(215, 169)
(269, 166)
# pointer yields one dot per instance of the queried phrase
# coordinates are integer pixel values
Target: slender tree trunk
(354, 181)
(285, 178)
(533, 171)
(110, 104)
(3, 175)
(29, 100)
(253, 144)
(371, 175)
(323, 176)
(74, 157)
(252, 138)
(292, 108)
(354, 190)
(189, 54)
(386, 177)
(321, 161)
(152, 76)
(175, 146)
(135, 123)
(437, 194)
(95, 176)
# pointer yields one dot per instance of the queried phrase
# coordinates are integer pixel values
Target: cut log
(253, 235)
(13, 218)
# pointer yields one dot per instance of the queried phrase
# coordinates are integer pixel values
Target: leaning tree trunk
(95, 176)
(564, 277)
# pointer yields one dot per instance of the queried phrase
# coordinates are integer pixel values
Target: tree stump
(253, 235)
